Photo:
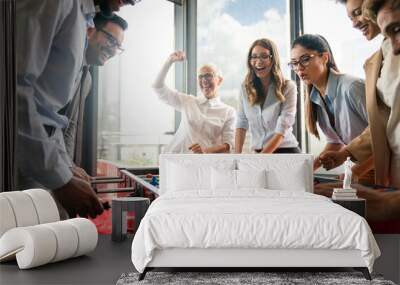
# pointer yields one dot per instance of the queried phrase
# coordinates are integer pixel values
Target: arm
(362, 168)
(358, 100)
(196, 148)
(165, 94)
(359, 149)
(228, 132)
(37, 154)
(328, 147)
(227, 137)
(286, 118)
(242, 124)
(273, 143)
(240, 137)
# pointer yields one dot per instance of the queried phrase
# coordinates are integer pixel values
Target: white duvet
(253, 218)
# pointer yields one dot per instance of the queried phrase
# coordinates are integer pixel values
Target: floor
(103, 266)
(110, 259)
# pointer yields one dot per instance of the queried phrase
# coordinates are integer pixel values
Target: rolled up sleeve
(358, 100)
(287, 116)
(361, 146)
(242, 121)
(228, 131)
(172, 97)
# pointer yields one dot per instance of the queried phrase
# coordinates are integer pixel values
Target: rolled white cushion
(33, 246)
(67, 240)
(37, 245)
(87, 235)
(7, 217)
(23, 208)
(45, 205)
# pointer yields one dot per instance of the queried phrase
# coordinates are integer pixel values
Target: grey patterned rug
(243, 278)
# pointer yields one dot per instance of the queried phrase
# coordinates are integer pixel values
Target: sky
(248, 12)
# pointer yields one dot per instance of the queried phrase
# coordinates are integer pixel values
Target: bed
(247, 211)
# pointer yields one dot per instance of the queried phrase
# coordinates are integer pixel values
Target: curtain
(7, 95)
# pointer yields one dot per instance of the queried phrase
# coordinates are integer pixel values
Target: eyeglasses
(303, 61)
(206, 76)
(262, 57)
(112, 43)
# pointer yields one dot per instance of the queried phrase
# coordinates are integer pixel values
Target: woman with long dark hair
(334, 100)
(267, 103)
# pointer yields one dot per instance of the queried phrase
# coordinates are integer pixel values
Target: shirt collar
(330, 89)
(89, 10)
(211, 102)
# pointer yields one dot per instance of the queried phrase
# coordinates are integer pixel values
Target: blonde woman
(207, 124)
(267, 103)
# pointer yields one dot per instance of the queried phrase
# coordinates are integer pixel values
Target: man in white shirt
(207, 124)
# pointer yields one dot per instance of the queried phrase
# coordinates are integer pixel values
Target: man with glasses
(104, 41)
(51, 37)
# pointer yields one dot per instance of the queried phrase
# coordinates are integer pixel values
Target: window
(132, 121)
(349, 46)
(226, 30)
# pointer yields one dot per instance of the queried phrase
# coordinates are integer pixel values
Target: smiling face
(209, 81)
(388, 19)
(260, 60)
(104, 43)
(310, 65)
(354, 11)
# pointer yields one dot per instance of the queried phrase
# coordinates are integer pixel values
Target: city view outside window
(133, 122)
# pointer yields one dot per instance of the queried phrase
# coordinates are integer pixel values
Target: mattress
(250, 219)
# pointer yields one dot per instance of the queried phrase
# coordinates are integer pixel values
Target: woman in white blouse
(207, 124)
(267, 103)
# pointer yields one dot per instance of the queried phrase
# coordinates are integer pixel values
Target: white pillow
(281, 180)
(284, 172)
(223, 179)
(237, 179)
(193, 173)
(188, 177)
(251, 178)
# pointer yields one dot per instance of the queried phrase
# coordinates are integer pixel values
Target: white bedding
(251, 218)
